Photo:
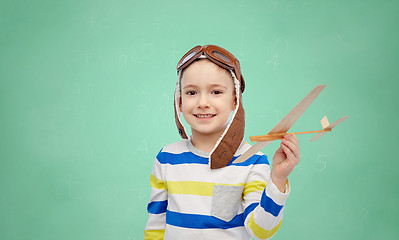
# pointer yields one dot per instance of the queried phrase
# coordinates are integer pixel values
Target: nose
(203, 101)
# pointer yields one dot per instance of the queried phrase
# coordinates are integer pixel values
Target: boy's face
(207, 98)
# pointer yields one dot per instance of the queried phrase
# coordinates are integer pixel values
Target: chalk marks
(141, 196)
(122, 60)
(365, 213)
(279, 49)
(271, 5)
(82, 57)
(82, 157)
(165, 105)
(126, 60)
(320, 164)
(142, 147)
(317, 165)
(156, 111)
(71, 185)
(296, 6)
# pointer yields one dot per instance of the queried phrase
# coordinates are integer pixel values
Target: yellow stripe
(260, 232)
(254, 186)
(194, 188)
(154, 234)
(201, 188)
(157, 183)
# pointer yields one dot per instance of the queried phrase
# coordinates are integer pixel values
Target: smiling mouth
(204, 115)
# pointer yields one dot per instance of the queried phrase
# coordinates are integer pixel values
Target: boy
(197, 192)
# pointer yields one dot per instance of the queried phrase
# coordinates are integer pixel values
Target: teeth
(204, 115)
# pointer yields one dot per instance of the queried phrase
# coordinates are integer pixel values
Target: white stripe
(156, 221)
(252, 197)
(202, 173)
(176, 148)
(178, 233)
(275, 194)
(190, 204)
(158, 195)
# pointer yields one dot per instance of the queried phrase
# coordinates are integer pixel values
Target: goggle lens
(188, 57)
(221, 56)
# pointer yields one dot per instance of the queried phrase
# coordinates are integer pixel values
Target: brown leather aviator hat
(228, 143)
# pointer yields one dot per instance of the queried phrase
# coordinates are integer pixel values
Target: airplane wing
(327, 126)
(285, 124)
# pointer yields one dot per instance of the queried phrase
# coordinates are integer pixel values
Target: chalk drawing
(305, 6)
(77, 89)
(365, 214)
(122, 61)
(140, 194)
(271, 5)
(321, 163)
(82, 57)
(290, 6)
(142, 109)
(156, 23)
(71, 185)
(294, 6)
(79, 157)
(280, 47)
(274, 62)
(165, 105)
(143, 146)
(299, 165)
(91, 21)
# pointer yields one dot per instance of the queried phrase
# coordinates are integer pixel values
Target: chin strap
(231, 141)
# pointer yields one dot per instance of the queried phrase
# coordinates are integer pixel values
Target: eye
(190, 92)
(217, 92)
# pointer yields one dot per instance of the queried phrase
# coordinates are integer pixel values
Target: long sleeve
(155, 228)
(263, 202)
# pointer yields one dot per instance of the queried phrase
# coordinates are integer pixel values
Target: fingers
(287, 151)
(291, 137)
(290, 145)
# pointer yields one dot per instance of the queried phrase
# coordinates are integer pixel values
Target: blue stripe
(269, 205)
(181, 158)
(254, 160)
(190, 158)
(196, 221)
(157, 207)
(249, 209)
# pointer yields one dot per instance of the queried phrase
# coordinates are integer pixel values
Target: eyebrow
(212, 86)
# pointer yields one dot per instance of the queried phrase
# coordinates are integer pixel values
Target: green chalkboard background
(86, 102)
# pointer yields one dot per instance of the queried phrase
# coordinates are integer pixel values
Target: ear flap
(228, 145)
(180, 127)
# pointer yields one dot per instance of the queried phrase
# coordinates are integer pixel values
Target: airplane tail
(326, 126)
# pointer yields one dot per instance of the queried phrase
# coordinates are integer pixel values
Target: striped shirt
(191, 201)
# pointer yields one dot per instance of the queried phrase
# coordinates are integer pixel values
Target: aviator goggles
(215, 54)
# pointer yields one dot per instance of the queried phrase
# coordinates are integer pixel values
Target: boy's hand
(284, 160)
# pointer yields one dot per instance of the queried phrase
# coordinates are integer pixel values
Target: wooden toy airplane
(286, 123)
